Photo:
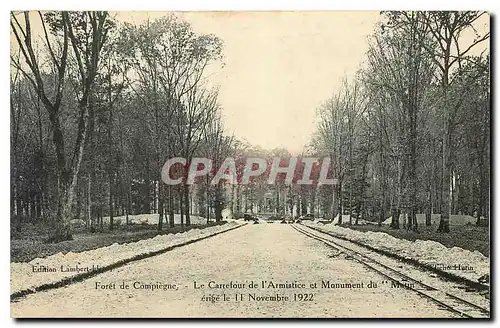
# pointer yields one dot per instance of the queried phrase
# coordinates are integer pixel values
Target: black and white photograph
(250, 164)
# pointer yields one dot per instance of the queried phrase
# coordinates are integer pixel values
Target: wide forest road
(291, 273)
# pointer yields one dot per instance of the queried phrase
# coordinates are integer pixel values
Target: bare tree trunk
(63, 229)
(395, 218)
(340, 203)
(146, 189)
(218, 203)
(335, 198)
(471, 197)
(171, 218)
(111, 201)
(160, 205)
(128, 204)
(362, 191)
(350, 200)
(384, 182)
(186, 201)
(101, 221)
(156, 208)
(277, 199)
(207, 198)
(181, 205)
(482, 188)
(428, 213)
(303, 199)
(444, 224)
(90, 221)
(412, 174)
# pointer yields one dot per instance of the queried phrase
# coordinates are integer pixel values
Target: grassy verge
(25, 250)
(470, 237)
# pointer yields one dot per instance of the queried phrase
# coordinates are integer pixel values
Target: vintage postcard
(286, 164)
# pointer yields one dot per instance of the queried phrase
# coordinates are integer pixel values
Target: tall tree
(85, 33)
(446, 29)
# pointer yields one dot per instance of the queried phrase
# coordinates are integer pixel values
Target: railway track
(450, 302)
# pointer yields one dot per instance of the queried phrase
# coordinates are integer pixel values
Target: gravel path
(254, 253)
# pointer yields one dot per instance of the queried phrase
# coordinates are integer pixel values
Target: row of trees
(97, 107)
(281, 198)
(411, 133)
